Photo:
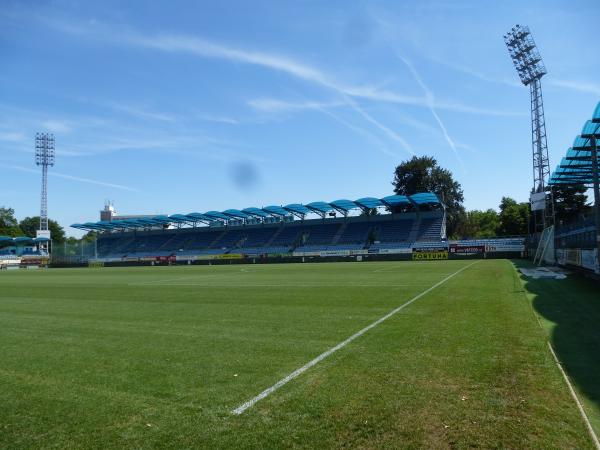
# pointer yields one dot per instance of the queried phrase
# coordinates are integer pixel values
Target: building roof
(576, 166)
(321, 208)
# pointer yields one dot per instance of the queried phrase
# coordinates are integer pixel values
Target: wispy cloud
(370, 136)
(218, 119)
(72, 178)
(56, 126)
(137, 111)
(207, 49)
(430, 97)
(581, 86)
(12, 136)
(475, 73)
(272, 105)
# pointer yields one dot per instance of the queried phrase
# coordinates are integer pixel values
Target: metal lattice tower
(44, 156)
(530, 67)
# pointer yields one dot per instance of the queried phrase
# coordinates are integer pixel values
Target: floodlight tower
(44, 156)
(530, 67)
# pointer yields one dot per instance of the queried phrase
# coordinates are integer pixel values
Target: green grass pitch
(158, 357)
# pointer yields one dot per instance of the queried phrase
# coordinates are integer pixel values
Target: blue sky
(174, 107)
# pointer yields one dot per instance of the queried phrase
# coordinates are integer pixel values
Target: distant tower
(44, 156)
(530, 67)
(107, 214)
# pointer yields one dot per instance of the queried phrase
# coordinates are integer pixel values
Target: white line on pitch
(249, 285)
(240, 409)
(574, 395)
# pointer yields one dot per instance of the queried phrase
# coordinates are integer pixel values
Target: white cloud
(581, 86)
(12, 136)
(140, 112)
(272, 105)
(208, 49)
(56, 126)
(431, 100)
(71, 177)
(218, 119)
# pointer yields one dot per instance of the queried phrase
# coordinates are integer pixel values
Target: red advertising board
(467, 249)
(166, 259)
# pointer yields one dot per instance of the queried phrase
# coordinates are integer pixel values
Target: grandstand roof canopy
(319, 207)
(297, 208)
(576, 166)
(256, 212)
(21, 240)
(344, 205)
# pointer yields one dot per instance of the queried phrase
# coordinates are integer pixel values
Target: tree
(570, 202)
(423, 174)
(479, 224)
(369, 212)
(29, 225)
(513, 217)
(8, 223)
(90, 236)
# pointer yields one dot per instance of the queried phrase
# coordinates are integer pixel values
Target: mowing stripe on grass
(240, 409)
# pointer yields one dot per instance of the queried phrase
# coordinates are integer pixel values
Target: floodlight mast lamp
(44, 156)
(530, 67)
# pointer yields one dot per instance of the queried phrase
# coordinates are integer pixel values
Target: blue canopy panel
(396, 200)
(216, 215)
(369, 202)
(162, 219)
(596, 115)
(275, 210)
(180, 218)
(320, 207)
(591, 129)
(22, 240)
(344, 205)
(236, 214)
(5, 240)
(199, 217)
(124, 224)
(147, 222)
(128, 223)
(104, 225)
(92, 226)
(581, 143)
(425, 198)
(256, 212)
(41, 239)
(297, 208)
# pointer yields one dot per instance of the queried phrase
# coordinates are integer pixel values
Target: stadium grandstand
(23, 251)
(299, 229)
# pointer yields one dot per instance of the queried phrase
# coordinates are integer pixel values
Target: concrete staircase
(338, 235)
(414, 231)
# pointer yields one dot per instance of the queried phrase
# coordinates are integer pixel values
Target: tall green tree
(570, 202)
(479, 224)
(29, 225)
(514, 217)
(9, 226)
(423, 174)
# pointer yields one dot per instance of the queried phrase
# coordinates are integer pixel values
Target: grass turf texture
(158, 357)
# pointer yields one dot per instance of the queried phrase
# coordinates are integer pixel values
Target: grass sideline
(158, 357)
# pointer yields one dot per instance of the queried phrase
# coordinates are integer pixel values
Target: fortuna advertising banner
(429, 253)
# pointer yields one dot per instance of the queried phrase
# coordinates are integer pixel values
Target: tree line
(423, 174)
(10, 226)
